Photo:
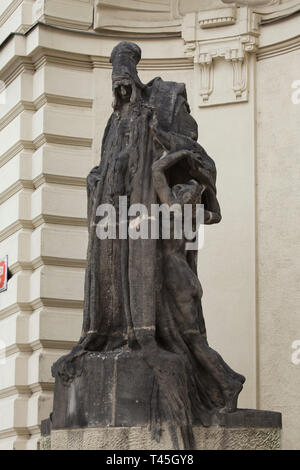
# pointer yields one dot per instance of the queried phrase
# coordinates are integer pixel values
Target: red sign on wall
(3, 273)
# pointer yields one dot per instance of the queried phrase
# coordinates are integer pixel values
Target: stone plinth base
(139, 438)
(104, 401)
(103, 389)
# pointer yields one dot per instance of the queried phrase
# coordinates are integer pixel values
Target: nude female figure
(184, 285)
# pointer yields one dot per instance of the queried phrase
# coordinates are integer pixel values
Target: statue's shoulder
(158, 86)
(171, 104)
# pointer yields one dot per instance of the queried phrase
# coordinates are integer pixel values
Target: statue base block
(139, 438)
(103, 389)
(102, 401)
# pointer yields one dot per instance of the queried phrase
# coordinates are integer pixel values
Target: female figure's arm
(160, 182)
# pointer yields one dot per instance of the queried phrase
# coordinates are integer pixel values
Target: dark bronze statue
(143, 356)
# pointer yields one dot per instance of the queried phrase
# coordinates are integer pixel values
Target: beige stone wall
(56, 102)
(278, 212)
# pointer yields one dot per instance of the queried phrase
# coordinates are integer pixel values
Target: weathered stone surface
(44, 443)
(116, 389)
(139, 438)
(108, 389)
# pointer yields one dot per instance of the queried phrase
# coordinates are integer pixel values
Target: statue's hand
(160, 163)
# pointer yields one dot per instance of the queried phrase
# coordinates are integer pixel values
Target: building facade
(241, 64)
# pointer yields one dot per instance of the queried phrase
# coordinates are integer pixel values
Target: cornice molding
(15, 390)
(41, 140)
(277, 11)
(20, 266)
(15, 227)
(9, 11)
(283, 47)
(15, 67)
(39, 102)
(60, 303)
(228, 33)
(15, 188)
(40, 387)
(44, 56)
(10, 311)
(61, 262)
(61, 139)
(181, 63)
(50, 344)
(63, 100)
(58, 179)
(64, 22)
(137, 17)
(15, 431)
(15, 149)
(15, 112)
(269, 10)
(15, 349)
(58, 220)
(252, 3)
(71, 14)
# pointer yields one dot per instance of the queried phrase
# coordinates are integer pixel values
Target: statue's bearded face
(123, 89)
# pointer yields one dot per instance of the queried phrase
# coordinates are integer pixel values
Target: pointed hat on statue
(124, 59)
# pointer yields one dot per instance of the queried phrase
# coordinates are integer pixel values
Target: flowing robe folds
(129, 300)
(123, 279)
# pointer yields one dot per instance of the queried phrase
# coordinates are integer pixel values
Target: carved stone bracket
(239, 77)
(206, 76)
(269, 10)
(221, 49)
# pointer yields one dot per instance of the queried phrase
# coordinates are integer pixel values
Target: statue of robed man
(144, 295)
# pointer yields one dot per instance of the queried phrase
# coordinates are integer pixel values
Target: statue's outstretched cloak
(126, 297)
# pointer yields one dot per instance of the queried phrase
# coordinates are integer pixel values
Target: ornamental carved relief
(221, 45)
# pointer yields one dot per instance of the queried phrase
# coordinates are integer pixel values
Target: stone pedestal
(101, 401)
(103, 389)
(139, 438)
